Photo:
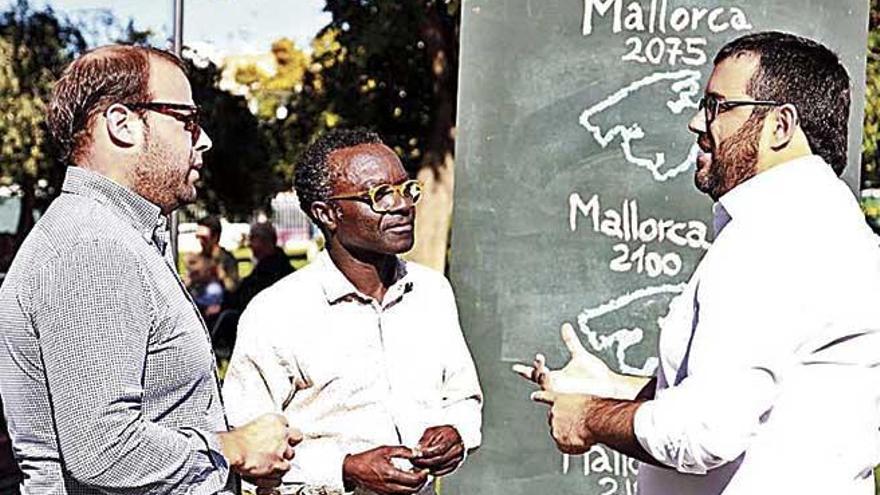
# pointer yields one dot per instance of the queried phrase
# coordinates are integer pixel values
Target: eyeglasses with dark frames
(383, 198)
(712, 105)
(190, 115)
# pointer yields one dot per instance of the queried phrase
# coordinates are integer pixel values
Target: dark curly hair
(808, 75)
(312, 180)
(103, 76)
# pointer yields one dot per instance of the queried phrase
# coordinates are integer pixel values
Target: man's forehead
(730, 77)
(168, 82)
(364, 162)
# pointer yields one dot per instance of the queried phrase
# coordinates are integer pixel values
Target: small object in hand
(402, 464)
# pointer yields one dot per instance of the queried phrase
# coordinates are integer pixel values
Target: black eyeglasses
(712, 106)
(188, 114)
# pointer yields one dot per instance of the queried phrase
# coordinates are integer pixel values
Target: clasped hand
(438, 453)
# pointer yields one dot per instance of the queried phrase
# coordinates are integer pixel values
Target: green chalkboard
(574, 197)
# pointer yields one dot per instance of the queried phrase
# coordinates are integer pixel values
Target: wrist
(230, 448)
(348, 480)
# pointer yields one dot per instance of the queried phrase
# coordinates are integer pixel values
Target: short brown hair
(99, 78)
(808, 75)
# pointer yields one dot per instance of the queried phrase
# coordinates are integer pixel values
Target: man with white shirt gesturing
(361, 350)
(768, 381)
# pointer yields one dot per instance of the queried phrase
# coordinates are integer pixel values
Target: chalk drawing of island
(685, 88)
(623, 339)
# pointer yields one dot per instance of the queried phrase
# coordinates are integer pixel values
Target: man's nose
(697, 124)
(204, 143)
(402, 203)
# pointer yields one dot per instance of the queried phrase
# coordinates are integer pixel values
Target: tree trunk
(435, 210)
(434, 214)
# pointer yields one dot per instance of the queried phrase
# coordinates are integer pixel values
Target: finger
(455, 451)
(540, 371)
(447, 468)
(406, 478)
(438, 448)
(572, 342)
(524, 371)
(540, 362)
(294, 436)
(266, 482)
(399, 451)
(544, 397)
(279, 469)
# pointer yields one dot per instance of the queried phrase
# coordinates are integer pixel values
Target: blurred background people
(208, 234)
(270, 265)
(204, 286)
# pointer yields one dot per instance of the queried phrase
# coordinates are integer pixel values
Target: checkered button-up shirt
(106, 371)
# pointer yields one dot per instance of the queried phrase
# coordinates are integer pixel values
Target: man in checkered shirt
(106, 371)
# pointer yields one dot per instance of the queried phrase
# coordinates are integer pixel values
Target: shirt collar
(134, 208)
(338, 287)
(765, 190)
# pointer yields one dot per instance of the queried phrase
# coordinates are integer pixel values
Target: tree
(238, 176)
(870, 172)
(34, 47)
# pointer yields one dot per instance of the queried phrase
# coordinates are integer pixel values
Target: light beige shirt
(350, 372)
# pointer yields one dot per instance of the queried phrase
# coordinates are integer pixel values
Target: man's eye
(383, 191)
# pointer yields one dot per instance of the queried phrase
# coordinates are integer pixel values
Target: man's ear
(326, 214)
(123, 126)
(787, 123)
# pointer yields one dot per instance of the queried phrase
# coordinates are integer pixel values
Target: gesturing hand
(568, 420)
(440, 450)
(584, 373)
(374, 471)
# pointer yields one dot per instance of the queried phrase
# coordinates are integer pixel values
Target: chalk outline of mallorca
(624, 338)
(686, 82)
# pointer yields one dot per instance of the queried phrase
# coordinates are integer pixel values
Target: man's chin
(402, 245)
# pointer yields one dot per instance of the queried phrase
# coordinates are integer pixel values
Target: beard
(160, 177)
(733, 161)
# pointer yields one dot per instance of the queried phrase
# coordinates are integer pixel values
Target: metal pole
(177, 41)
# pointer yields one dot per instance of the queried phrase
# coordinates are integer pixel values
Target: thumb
(399, 451)
(294, 436)
(544, 396)
(572, 342)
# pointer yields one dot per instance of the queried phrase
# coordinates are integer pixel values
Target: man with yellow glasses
(360, 350)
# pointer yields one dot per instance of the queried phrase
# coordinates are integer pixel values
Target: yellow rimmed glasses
(384, 197)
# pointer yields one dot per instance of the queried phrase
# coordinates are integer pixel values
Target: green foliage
(237, 177)
(396, 68)
(870, 172)
(34, 47)
(388, 66)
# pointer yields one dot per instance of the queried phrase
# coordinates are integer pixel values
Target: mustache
(704, 141)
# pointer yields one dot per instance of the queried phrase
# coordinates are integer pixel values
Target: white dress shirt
(350, 372)
(778, 389)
